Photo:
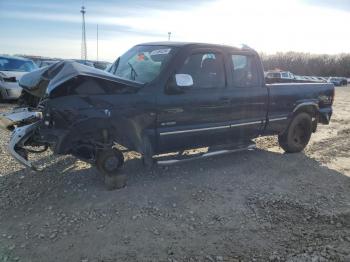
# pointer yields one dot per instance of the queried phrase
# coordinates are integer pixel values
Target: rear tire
(297, 135)
(108, 163)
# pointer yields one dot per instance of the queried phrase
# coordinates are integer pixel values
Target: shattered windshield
(12, 64)
(142, 63)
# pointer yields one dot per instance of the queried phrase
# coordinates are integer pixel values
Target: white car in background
(11, 70)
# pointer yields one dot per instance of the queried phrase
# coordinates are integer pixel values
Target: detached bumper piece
(22, 123)
(19, 136)
(18, 117)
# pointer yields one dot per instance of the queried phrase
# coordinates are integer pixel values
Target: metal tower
(83, 36)
(97, 42)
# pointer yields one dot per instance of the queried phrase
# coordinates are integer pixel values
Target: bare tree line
(309, 64)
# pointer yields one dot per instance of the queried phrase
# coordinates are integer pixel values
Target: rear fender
(319, 115)
(307, 107)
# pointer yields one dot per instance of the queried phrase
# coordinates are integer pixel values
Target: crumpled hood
(43, 81)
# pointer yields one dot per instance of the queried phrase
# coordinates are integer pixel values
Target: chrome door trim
(248, 123)
(278, 119)
(194, 130)
(211, 128)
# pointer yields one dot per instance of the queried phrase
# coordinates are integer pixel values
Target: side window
(245, 71)
(206, 69)
(285, 75)
(273, 75)
(113, 67)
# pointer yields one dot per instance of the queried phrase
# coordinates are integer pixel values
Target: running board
(205, 155)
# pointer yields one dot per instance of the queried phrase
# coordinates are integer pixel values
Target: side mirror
(184, 80)
(179, 83)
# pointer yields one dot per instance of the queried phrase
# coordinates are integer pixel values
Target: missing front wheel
(108, 163)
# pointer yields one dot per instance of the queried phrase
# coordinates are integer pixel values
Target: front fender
(100, 132)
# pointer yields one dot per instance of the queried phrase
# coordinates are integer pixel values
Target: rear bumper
(336, 83)
(325, 115)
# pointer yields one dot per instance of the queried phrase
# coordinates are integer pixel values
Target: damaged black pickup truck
(159, 98)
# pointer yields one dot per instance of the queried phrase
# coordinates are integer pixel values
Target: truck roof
(185, 44)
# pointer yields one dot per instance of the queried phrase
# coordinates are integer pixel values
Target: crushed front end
(62, 109)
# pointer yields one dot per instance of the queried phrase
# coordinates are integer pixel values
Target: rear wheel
(108, 163)
(298, 134)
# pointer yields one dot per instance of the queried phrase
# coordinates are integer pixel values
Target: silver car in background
(11, 70)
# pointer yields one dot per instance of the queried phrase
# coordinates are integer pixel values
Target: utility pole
(83, 35)
(97, 43)
(169, 36)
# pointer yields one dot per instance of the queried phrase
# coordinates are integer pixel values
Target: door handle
(174, 110)
(225, 99)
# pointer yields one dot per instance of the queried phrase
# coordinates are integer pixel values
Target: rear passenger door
(248, 96)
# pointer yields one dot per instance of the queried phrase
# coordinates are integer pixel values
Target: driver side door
(196, 115)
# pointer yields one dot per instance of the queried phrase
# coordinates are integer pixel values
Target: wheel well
(310, 109)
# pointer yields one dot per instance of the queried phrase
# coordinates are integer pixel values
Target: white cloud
(267, 26)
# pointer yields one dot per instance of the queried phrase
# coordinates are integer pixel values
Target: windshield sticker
(160, 52)
(141, 57)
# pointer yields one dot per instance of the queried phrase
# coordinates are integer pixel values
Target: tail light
(332, 96)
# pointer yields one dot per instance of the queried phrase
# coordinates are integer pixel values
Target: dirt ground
(259, 205)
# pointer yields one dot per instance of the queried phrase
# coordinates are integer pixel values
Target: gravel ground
(259, 205)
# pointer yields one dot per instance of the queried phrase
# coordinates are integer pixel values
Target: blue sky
(53, 27)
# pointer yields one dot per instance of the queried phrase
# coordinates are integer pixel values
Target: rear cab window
(245, 72)
(273, 75)
(285, 75)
